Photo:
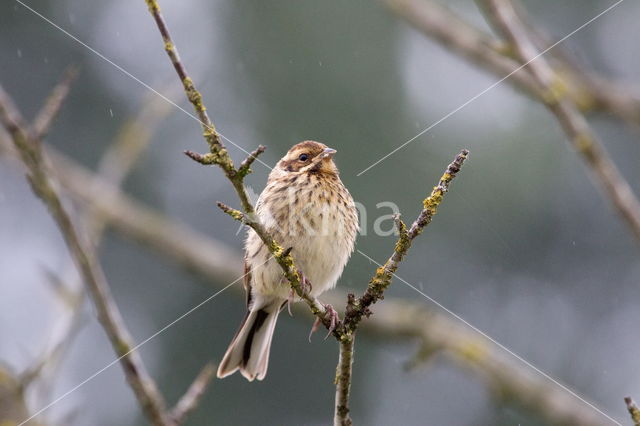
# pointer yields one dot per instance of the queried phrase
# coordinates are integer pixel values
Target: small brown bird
(306, 207)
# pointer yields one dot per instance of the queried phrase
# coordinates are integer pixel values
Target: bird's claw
(333, 321)
(305, 285)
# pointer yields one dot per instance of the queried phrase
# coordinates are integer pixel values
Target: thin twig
(634, 411)
(360, 307)
(357, 309)
(210, 133)
(84, 255)
(53, 354)
(192, 396)
(502, 15)
(48, 113)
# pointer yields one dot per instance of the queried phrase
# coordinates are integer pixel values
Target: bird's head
(309, 157)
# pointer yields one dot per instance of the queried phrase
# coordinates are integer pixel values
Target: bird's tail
(249, 349)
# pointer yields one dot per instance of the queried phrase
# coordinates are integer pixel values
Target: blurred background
(525, 247)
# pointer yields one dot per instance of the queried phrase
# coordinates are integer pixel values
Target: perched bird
(305, 207)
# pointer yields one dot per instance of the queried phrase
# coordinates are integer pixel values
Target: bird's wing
(247, 281)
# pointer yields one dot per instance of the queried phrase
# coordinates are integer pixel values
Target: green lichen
(403, 243)
(473, 351)
(555, 91)
(583, 142)
(153, 6)
(432, 202)
(121, 347)
(194, 96)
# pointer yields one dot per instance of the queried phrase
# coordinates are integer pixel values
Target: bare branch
(503, 374)
(52, 105)
(502, 15)
(67, 332)
(244, 168)
(84, 255)
(13, 404)
(211, 135)
(588, 91)
(359, 308)
(452, 32)
(634, 411)
(191, 398)
(343, 382)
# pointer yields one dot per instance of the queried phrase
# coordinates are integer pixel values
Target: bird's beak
(328, 153)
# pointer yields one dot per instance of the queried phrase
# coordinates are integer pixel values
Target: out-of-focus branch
(394, 319)
(52, 105)
(503, 17)
(634, 411)
(118, 160)
(84, 255)
(506, 377)
(114, 166)
(588, 91)
(448, 29)
(72, 300)
(210, 258)
(595, 92)
(13, 405)
(191, 398)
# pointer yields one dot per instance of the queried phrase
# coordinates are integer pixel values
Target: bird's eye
(303, 157)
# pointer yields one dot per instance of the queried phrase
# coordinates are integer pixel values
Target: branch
(13, 401)
(634, 411)
(84, 255)
(191, 398)
(52, 105)
(343, 382)
(588, 91)
(503, 16)
(211, 135)
(503, 374)
(452, 32)
(359, 308)
(128, 216)
(115, 165)
(67, 331)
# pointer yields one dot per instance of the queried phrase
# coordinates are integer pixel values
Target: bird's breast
(318, 220)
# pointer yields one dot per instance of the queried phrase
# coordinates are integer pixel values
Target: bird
(307, 210)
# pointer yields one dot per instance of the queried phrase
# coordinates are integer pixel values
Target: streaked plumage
(306, 207)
